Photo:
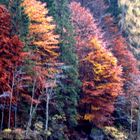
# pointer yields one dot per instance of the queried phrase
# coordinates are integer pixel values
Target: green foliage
(113, 7)
(69, 89)
(20, 26)
(20, 21)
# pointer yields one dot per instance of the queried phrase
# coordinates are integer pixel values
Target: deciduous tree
(44, 51)
(99, 70)
(68, 91)
(11, 57)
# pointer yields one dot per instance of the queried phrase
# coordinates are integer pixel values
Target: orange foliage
(42, 30)
(102, 85)
(120, 49)
(99, 70)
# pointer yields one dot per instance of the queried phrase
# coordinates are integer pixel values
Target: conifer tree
(68, 91)
(20, 26)
(20, 21)
(11, 57)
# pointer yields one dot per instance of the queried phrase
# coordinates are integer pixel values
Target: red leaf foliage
(99, 69)
(10, 56)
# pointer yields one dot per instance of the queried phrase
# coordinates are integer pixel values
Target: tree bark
(47, 112)
(31, 107)
(11, 97)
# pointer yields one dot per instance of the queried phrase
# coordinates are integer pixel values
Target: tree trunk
(47, 112)
(11, 97)
(2, 119)
(31, 108)
(131, 123)
(16, 117)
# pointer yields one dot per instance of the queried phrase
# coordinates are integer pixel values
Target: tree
(130, 24)
(20, 26)
(85, 27)
(11, 47)
(44, 53)
(20, 21)
(42, 29)
(99, 71)
(101, 85)
(69, 89)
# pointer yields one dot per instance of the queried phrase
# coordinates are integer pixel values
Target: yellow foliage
(95, 108)
(116, 133)
(106, 75)
(41, 26)
(88, 117)
(7, 130)
(96, 43)
(42, 30)
(103, 62)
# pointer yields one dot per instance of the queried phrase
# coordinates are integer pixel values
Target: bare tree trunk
(131, 121)
(47, 112)
(16, 117)
(31, 107)
(2, 118)
(11, 97)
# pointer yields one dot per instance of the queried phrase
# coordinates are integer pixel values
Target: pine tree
(69, 89)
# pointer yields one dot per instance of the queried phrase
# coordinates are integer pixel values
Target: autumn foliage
(42, 30)
(85, 28)
(120, 49)
(74, 70)
(11, 57)
(101, 85)
(99, 70)
(10, 50)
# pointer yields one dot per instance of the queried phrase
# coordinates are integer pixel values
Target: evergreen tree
(20, 26)
(69, 89)
(20, 21)
(113, 7)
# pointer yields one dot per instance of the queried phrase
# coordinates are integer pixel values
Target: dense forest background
(69, 69)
